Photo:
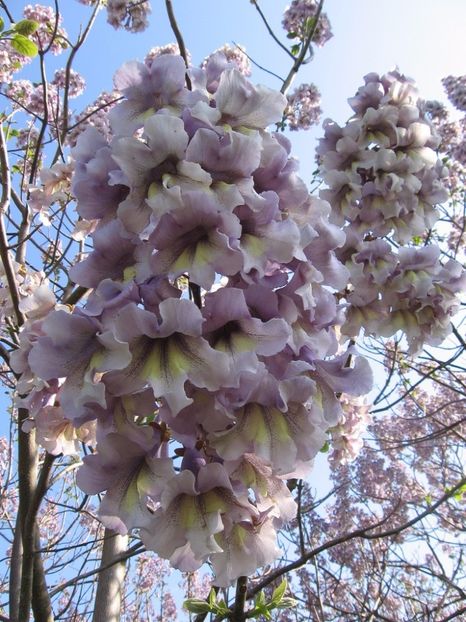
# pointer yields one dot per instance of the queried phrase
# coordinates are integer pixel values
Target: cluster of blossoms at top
(131, 15)
(384, 178)
(199, 407)
(303, 109)
(23, 94)
(298, 21)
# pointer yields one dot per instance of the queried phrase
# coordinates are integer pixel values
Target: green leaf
(221, 608)
(325, 448)
(309, 24)
(295, 49)
(212, 597)
(460, 492)
(292, 35)
(24, 46)
(260, 600)
(287, 603)
(194, 605)
(279, 592)
(2, 24)
(26, 27)
(12, 133)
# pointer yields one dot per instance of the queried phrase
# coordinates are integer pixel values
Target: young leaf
(309, 24)
(221, 608)
(2, 24)
(260, 600)
(26, 27)
(212, 597)
(287, 603)
(325, 448)
(24, 46)
(279, 592)
(194, 605)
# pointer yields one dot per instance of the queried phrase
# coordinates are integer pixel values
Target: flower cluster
(298, 21)
(50, 34)
(384, 178)
(128, 14)
(10, 61)
(456, 91)
(381, 168)
(410, 291)
(453, 137)
(55, 187)
(74, 82)
(24, 95)
(206, 354)
(235, 55)
(303, 109)
(347, 438)
(95, 115)
(159, 50)
(35, 296)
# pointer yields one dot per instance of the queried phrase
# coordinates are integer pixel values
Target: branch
(75, 295)
(302, 55)
(27, 475)
(81, 39)
(5, 8)
(131, 552)
(107, 604)
(240, 600)
(270, 31)
(179, 38)
(363, 533)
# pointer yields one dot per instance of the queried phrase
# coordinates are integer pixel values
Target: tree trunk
(109, 588)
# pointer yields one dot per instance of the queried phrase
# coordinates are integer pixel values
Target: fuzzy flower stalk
(204, 367)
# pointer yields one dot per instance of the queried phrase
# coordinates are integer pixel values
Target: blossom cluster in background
(384, 178)
(298, 19)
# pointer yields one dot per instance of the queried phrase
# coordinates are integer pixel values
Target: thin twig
(270, 31)
(364, 533)
(179, 39)
(304, 50)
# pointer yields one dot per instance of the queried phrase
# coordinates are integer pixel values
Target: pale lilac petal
(241, 103)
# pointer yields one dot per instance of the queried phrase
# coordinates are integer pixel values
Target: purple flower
(126, 465)
(166, 352)
(147, 90)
